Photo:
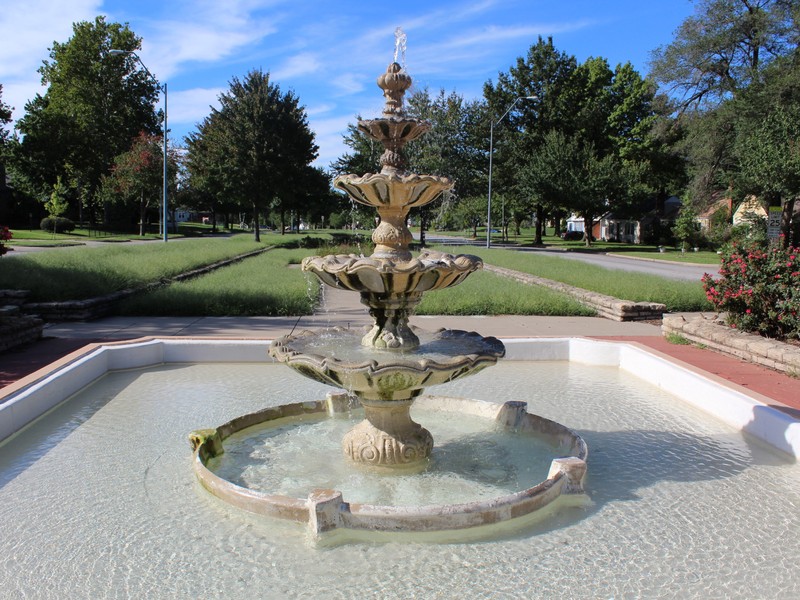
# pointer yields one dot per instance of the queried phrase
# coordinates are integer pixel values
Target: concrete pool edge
(26, 400)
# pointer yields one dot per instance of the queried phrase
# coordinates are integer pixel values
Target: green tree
(260, 136)
(205, 168)
(57, 205)
(448, 149)
(603, 116)
(546, 74)
(363, 156)
(95, 104)
(723, 47)
(686, 227)
(5, 119)
(5, 135)
(767, 140)
(137, 176)
(716, 55)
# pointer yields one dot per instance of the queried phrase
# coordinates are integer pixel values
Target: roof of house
(724, 202)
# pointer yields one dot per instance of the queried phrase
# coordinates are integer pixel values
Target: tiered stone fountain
(386, 369)
(391, 282)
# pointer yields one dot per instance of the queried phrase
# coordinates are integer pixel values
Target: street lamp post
(163, 88)
(491, 154)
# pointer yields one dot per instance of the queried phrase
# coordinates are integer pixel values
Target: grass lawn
(484, 293)
(636, 287)
(37, 237)
(82, 272)
(263, 285)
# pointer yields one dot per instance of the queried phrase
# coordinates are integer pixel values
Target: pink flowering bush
(5, 235)
(759, 289)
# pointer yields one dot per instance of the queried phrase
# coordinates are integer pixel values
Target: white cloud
(28, 30)
(319, 109)
(348, 83)
(305, 63)
(172, 44)
(329, 134)
(189, 107)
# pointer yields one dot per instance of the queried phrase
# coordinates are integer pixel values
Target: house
(182, 215)
(749, 207)
(705, 218)
(637, 225)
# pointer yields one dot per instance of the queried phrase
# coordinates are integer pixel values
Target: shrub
(5, 235)
(759, 289)
(57, 225)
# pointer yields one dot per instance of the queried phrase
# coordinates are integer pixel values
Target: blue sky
(330, 52)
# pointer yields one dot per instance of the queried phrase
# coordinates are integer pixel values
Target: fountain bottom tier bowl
(485, 470)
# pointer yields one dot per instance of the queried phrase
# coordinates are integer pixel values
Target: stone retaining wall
(715, 334)
(17, 329)
(606, 306)
(13, 297)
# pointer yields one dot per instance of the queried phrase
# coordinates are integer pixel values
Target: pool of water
(98, 500)
(473, 460)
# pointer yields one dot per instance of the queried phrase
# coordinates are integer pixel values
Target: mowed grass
(484, 293)
(636, 287)
(79, 273)
(267, 286)
(264, 285)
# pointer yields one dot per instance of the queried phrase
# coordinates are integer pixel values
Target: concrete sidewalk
(340, 308)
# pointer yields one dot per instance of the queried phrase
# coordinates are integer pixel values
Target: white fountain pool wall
(732, 404)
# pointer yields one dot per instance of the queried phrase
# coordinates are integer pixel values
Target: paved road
(662, 268)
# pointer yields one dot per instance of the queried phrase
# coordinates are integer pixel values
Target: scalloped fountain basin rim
(31, 397)
(326, 510)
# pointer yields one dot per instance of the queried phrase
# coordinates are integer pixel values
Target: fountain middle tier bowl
(393, 189)
(336, 357)
(395, 129)
(430, 271)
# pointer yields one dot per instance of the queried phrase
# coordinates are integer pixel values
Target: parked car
(570, 236)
